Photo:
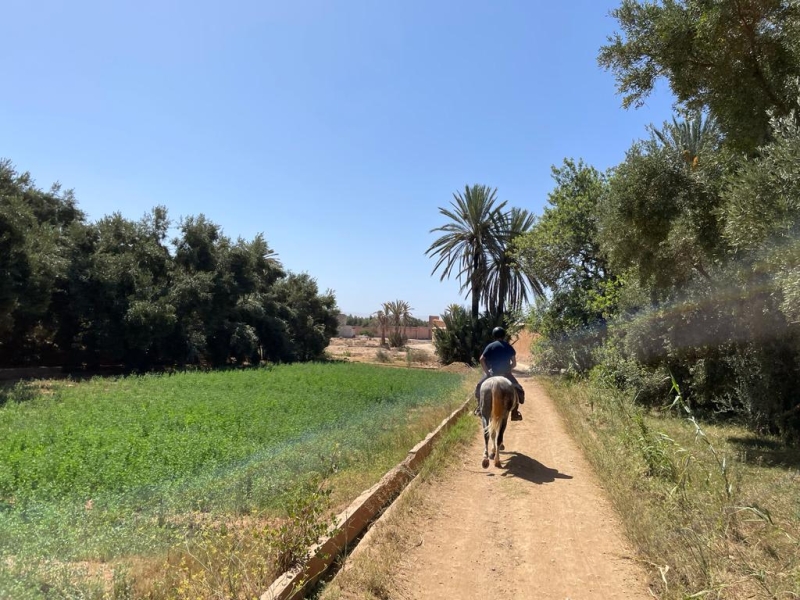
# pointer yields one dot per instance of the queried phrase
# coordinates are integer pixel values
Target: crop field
(112, 468)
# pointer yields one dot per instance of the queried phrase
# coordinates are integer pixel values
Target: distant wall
(413, 333)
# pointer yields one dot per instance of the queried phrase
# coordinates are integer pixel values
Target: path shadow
(529, 469)
(769, 452)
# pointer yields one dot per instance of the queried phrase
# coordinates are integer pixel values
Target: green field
(109, 468)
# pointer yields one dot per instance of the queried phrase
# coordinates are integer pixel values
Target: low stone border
(352, 521)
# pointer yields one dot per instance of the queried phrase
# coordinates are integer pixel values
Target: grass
(712, 509)
(160, 473)
(371, 569)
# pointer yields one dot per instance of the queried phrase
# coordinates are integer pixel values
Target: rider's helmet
(498, 333)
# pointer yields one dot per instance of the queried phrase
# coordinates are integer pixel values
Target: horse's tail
(498, 412)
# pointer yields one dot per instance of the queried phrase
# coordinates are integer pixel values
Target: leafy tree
(469, 240)
(660, 219)
(762, 215)
(112, 293)
(34, 241)
(16, 258)
(310, 317)
(118, 292)
(562, 250)
(762, 200)
(226, 296)
(712, 256)
(247, 275)
(571, 329)
(358, 321)
(563, 247)
(734, 57)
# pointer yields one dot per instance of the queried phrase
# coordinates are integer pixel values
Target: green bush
(463, 339)
(571, 329)
(615, 370)
(397, 339)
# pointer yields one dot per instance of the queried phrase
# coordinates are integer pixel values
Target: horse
(498, 397)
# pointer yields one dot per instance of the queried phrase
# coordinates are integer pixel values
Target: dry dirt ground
(417, 353)
(539, 528)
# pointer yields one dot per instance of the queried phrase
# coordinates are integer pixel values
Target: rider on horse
(499, 358)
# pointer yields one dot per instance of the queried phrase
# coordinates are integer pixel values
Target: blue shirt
(498, 357)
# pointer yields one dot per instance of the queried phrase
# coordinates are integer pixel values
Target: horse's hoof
(497, 464)
(502, 447)
(491, 456)
(485, 463)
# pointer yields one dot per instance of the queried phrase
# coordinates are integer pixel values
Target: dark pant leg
(478, 387)
(516, 384)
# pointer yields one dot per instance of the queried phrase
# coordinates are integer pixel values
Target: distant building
(435, 322)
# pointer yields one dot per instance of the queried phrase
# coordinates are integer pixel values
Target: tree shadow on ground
(768, 452)
(17, 392)
(529, 469)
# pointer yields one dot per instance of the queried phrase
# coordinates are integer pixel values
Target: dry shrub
(419, 356)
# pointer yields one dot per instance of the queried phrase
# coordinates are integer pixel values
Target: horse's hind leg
(485, 462)
(500, 445)
(509, 404)
(496, 453)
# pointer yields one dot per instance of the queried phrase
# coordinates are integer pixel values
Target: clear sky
(335, 128)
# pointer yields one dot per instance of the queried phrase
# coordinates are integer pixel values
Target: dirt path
(540, 528)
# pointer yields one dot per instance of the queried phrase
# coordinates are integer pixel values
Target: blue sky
(335, 128)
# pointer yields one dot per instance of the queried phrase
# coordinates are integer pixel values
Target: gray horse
(498, 397)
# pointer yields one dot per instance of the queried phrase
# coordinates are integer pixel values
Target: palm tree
(690, 138)
(468, 240)
(382, 317)
(399, 314)
(507, 284)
